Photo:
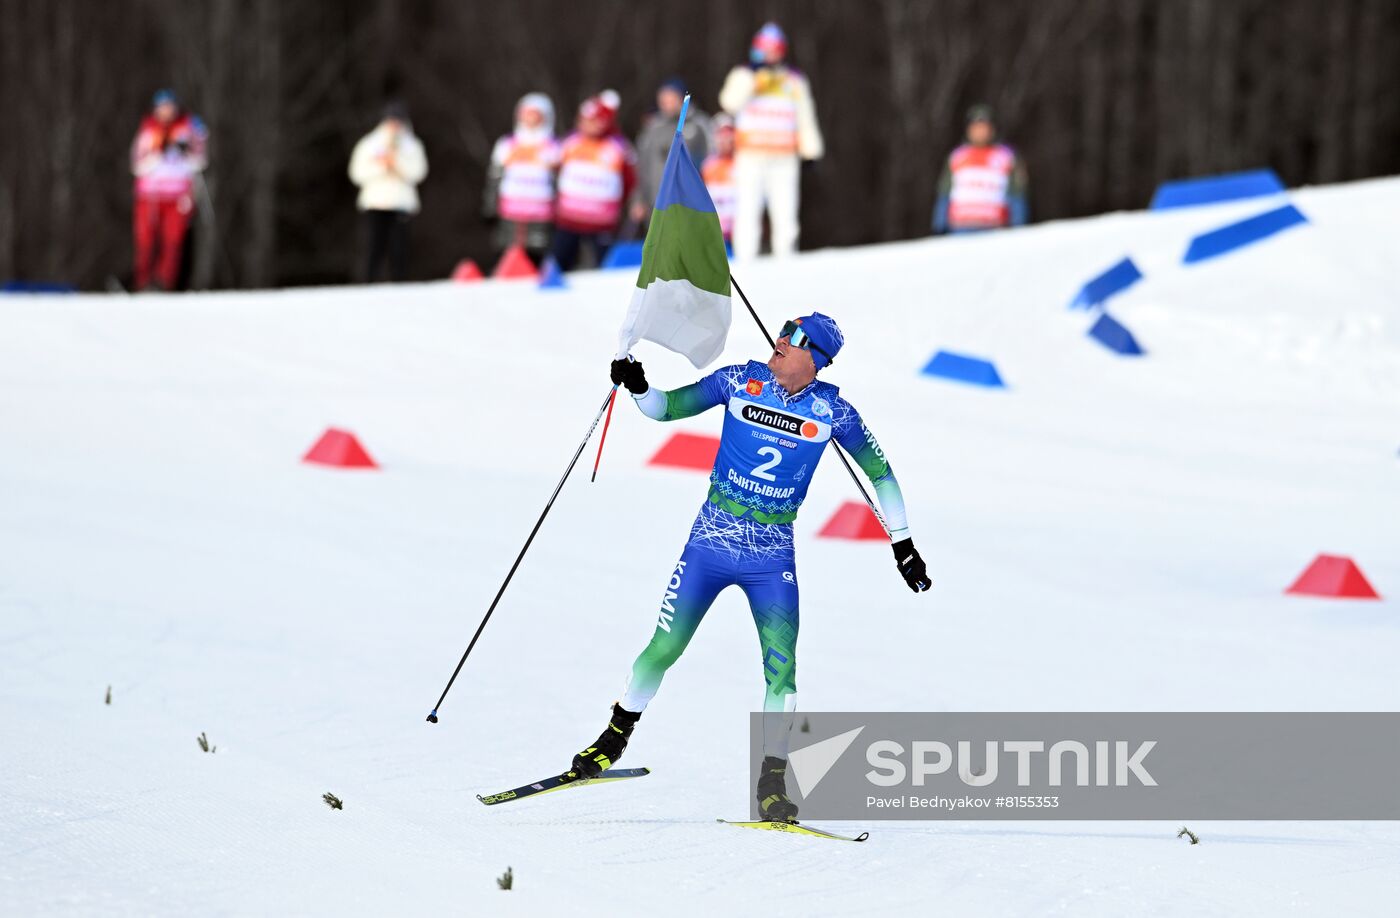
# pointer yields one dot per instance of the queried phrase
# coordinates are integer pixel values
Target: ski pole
(433, 715)
(840, 455)
(607, 422)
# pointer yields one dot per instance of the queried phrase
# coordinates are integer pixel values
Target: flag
(682, 297)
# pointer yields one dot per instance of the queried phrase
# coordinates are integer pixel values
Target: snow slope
(1107, 534)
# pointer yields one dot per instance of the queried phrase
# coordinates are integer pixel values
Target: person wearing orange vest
(597, 171)
(983, 185)
(519, 193)
(775, 128)
(166, 157)
(718, 173)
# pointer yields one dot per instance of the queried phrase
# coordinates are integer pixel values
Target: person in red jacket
(597, 171)
(166, 158)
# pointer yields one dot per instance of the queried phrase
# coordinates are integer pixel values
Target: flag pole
(839, 453)
(685, 107)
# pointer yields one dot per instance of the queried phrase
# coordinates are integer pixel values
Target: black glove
(911, 566)
(629, 373)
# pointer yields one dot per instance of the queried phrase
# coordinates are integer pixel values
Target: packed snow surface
(1106, 533)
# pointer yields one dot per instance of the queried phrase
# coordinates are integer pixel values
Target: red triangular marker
(341, 449)
(687, 451)
(515, 263)
(466, 271)
(853, 521)
(1333, 575)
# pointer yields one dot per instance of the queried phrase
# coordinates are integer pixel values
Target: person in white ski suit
(776, 128)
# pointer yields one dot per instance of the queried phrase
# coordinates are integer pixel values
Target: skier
(388, 164)
(718, 174)
(166, 156)
(596, 175)
(519, 190)
(983, 185)
(777, 126)
(778, 421)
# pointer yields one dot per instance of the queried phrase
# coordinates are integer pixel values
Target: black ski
(561, 782)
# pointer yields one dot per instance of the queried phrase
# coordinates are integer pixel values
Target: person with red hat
(718, 172)
(597, 171)
(776, 128)
(166, 156)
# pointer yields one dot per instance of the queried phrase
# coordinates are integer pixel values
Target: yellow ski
(795, 828)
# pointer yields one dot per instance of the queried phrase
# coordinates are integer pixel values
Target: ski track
(1107, 534)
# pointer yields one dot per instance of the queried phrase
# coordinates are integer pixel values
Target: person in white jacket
(776, 128)
(388, 164)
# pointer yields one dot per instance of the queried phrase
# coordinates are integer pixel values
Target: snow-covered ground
(1105, 534)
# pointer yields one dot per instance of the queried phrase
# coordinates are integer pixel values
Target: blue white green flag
(682, 296)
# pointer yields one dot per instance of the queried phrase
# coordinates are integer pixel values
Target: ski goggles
(799, 338)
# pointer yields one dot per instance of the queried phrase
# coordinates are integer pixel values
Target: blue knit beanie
(825, 334)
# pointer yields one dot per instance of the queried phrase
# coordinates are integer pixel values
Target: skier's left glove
(629, 373)
(911, 566)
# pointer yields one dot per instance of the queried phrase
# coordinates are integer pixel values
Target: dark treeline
(1104, 98)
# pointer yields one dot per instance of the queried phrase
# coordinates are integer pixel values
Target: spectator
(718, 173)
(983, 185)
(166, 158)
(654, 142)
(596, 175)
(776, 125)
(388, 164)
(520, 182)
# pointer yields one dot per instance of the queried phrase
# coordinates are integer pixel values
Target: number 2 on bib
(761, 471)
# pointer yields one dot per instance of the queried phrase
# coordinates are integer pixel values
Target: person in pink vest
(718, 173)
(597, 171)
(166, 157)
(519, 192)
(984, 183)
(776, 128)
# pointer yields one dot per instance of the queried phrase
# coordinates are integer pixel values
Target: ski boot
(607, 749)
(773, 802)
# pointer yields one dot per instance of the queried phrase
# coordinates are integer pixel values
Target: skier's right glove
(911, 566)
(629, 373)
